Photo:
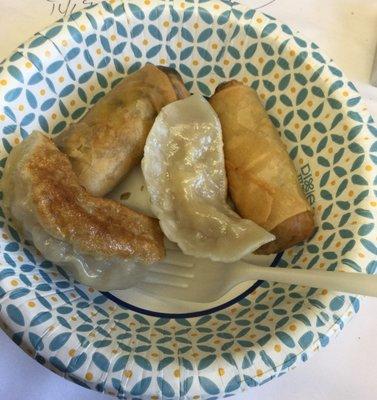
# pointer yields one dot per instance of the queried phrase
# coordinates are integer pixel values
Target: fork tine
(172, 270)
(164, 280)
(177, 258)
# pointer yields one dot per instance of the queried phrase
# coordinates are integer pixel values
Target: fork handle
(348, 282)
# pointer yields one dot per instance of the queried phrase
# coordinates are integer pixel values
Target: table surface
(346, 370)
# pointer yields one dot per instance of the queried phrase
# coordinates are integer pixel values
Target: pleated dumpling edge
(184, 169)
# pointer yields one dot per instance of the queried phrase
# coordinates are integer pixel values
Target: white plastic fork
(199, 280)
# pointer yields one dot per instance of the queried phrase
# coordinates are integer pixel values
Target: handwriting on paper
(66, 7)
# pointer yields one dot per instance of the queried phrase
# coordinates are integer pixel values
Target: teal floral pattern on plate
(55, 77)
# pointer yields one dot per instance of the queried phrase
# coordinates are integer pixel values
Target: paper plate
(94, 339)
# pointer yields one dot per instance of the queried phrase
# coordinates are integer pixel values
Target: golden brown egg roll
(110, 139)
(262, 178)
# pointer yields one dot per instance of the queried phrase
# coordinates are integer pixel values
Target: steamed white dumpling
(185, 175)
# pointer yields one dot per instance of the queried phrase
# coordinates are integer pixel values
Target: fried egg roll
(110, 139)
(262, 178)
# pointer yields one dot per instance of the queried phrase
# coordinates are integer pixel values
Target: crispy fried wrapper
(110, 139)
(101, 242)
(261, 176)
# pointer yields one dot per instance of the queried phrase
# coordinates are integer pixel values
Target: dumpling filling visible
(184, 169)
